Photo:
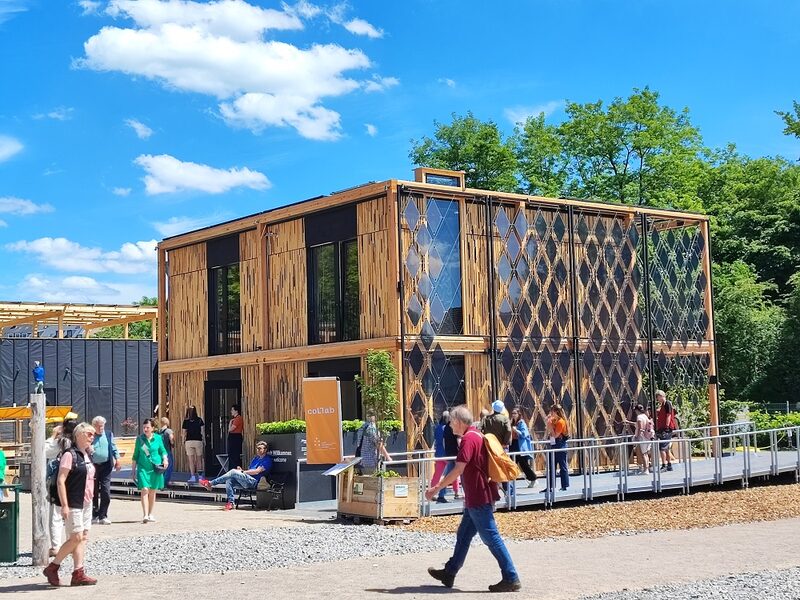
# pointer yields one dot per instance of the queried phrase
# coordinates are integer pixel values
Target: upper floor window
(333, 292)
(224, 317)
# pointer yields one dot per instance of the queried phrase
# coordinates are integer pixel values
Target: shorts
(665, 438)
(79, 520)
(645, 447)
(194, 448)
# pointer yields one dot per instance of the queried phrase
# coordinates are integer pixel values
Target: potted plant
(380, 495)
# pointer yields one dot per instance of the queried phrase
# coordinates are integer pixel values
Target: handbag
(157, 467)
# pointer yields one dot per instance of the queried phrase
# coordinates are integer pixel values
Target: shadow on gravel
(26, 587)
(424, 589)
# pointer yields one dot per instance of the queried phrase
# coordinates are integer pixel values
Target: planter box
(287, 448)
(378, 498)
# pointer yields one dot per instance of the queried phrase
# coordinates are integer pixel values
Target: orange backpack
(501, 468)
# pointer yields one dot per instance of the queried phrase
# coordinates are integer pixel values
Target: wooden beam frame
(120, 321)
(33, 318)
(279, 355)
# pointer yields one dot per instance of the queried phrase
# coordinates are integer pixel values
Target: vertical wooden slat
(287, 285)
(713, 398)
(249, 298)
(374, 269)
(188, 303)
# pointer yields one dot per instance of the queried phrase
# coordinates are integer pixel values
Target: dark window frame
(224, 323)
(346, 325)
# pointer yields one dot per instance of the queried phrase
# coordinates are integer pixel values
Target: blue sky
(122, 122)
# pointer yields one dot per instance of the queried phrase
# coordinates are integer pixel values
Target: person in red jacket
(665, 425)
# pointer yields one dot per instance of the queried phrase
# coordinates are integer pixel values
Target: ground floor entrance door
(220, 397)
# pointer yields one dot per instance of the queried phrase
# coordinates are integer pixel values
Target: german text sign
(322, 405)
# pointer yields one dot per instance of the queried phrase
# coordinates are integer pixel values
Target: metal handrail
(591, 449)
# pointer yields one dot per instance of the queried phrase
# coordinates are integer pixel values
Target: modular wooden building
(477, 295)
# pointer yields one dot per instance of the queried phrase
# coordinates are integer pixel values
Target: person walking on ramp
(480, 494)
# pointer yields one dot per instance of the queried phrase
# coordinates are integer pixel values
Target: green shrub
(299, 426)
(293, 426)
(763, 420)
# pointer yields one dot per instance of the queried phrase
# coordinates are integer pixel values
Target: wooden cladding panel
(250, 292)
(475, 286)
(184, 390)
(284, 395)
(287, 285)
(478, 382)
(254, 405)
(376, 281)
(187, 325)
(187, 259)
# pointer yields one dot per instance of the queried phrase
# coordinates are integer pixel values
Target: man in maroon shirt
(480, 494)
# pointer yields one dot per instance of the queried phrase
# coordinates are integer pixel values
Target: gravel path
(775, 585)
(241, 550)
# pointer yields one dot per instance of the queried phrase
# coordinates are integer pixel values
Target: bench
(273, 487)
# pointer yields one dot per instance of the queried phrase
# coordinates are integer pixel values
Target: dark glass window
(333, 310)
(444, 258)
(224, 310)
(451, 180)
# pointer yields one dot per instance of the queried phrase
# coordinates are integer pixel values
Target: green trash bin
(9, 524)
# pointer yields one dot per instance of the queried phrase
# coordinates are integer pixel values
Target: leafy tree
(379, 391)
(784, 377)
(541, 162)
(792, 120)
(634, 151)
(471, 145)
(748, 326)
(141, 330)
(756, 205)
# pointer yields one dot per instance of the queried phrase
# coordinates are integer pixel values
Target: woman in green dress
(150, 460)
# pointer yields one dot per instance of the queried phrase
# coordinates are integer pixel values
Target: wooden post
(126, 332)
(60, 326)
(153, 330)
(713, 398)
(35, 329)
(40, 542)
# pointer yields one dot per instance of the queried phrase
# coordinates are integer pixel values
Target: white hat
(498, 406)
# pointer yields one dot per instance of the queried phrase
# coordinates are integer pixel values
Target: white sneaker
(151, 518)
(95, 520)
(531, 484)
(105, 521)
(192, 479)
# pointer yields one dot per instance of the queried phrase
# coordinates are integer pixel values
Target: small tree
(379, 392)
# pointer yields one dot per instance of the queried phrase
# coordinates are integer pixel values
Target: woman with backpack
(149, 462)
(521, 442)
(74, 490)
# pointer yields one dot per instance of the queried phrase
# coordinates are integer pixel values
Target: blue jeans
(168, 472)
(480, 520)
(561, 463)
(451, 464)
(235, 479)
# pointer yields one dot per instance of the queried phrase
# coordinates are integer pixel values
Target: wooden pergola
(86, 316)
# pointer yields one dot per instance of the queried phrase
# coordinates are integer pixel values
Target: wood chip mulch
(698, 510)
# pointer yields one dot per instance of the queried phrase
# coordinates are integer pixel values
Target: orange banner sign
(322, 404)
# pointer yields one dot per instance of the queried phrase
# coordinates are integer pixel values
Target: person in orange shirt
(235, 436)
(557, 430)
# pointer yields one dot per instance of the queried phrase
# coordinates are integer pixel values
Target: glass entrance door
(220, 397)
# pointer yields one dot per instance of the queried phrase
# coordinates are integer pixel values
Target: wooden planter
(381, 499)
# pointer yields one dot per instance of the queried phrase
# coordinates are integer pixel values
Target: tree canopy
(140, 330)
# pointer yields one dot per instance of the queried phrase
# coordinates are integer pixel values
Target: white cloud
(66, 255)
(76, 288)
(372, 131)
(519, 114)
(451, 83)
(90, 7)
(62, 113)
(362, 27)
(9, 146)
(219, 49)
(20, 207)
(176, 225)
(166, 174)
(233, 19)
(10, 8)
(3, 223)
(380, 84)
(142, 131)
(121, 191)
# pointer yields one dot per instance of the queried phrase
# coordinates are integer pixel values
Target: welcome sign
(322, 408)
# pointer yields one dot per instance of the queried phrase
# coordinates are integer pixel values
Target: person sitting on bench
(246, 479)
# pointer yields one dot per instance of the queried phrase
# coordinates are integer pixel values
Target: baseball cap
(498, 406)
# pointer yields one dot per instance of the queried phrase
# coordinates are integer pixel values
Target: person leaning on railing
(665, 425)
(559, 435)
